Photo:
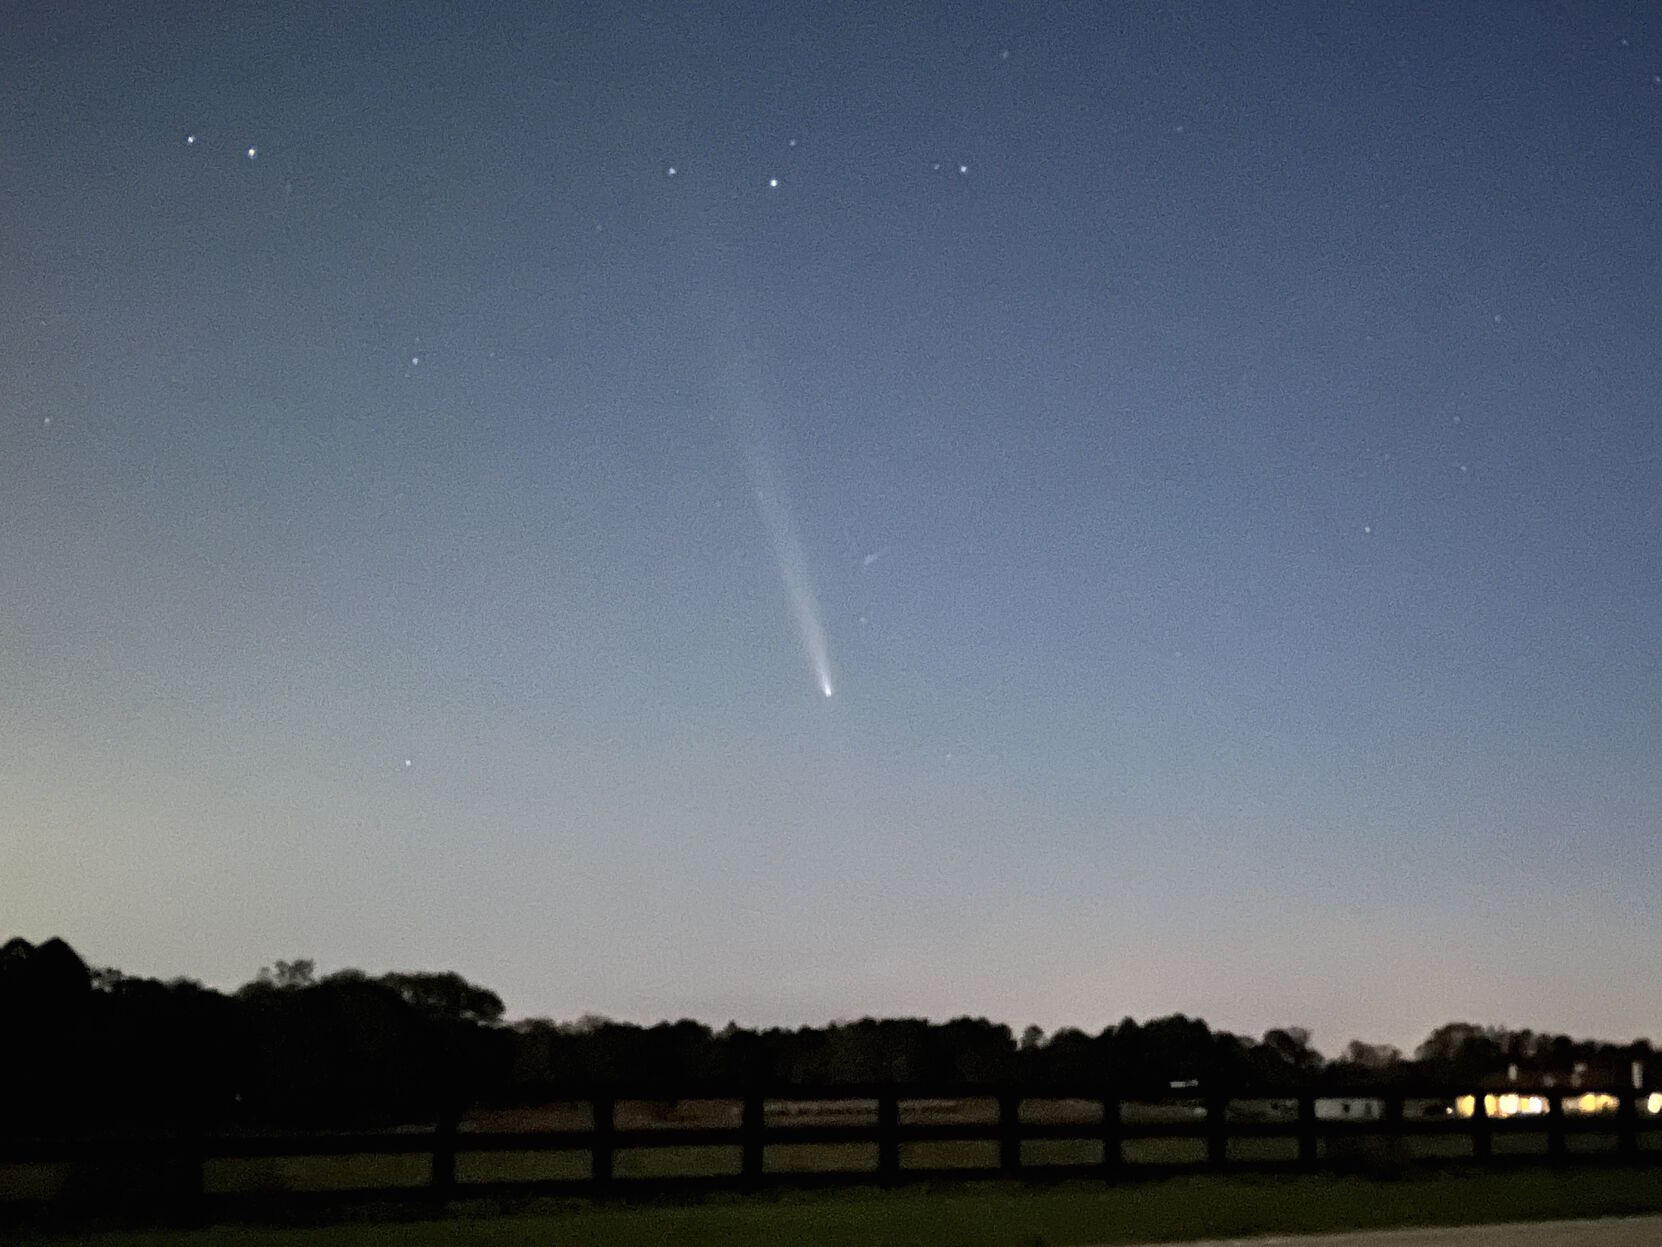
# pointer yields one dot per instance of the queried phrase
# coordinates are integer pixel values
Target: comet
(793, 571)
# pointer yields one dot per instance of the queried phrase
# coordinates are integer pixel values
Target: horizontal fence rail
(623, 1141)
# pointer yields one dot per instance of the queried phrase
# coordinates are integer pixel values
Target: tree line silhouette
(88, 1050)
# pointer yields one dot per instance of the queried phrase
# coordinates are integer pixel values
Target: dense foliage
(89, 1049)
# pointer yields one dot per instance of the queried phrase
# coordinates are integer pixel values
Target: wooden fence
(885, 1135)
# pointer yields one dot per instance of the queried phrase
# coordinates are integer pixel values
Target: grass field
(273, 1175)
(983, 1215)
(276, 1175)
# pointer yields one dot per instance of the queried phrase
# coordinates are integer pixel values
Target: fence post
(888, 1136)
(443, 1181)
(1113, 1139)
(1307, 1129)
(601, 1147)
(1482, 1142)
(1393, 1111)
(1555, 1127)
(1627, 1124)
(752, 1139)
(1217, 1129)
(1009, 1133)
(188, 1170)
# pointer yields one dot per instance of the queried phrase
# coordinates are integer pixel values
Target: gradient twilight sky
(1222, 449)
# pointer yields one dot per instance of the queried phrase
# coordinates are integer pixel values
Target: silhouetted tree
(288, 975)
(1371, 1056)
(95, 1048)
(447, 997)
(46, 1026)
(1462, 1051)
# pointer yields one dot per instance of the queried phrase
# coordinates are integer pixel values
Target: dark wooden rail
(1214, 1124)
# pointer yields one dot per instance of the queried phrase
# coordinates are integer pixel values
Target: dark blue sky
(1218, 444)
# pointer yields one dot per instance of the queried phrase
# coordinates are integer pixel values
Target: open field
(371, 1171)
(983, 1215)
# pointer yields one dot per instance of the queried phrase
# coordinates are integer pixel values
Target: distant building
(1347, 1108)
(1587, 1104)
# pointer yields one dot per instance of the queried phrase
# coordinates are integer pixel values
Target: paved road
(1606, 1232)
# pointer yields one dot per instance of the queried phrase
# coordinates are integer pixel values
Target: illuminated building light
(1590, 1103)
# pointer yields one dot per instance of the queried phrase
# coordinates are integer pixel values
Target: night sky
(1212, 457)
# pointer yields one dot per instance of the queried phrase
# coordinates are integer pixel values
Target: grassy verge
(982, 1215)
